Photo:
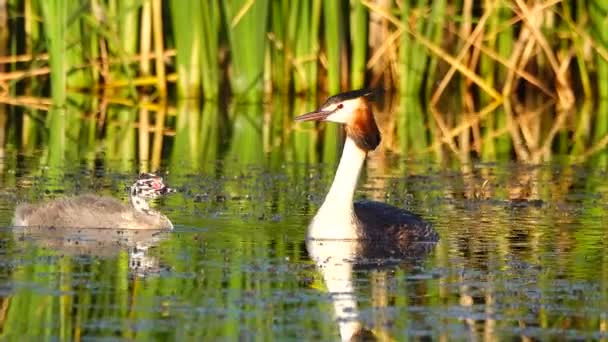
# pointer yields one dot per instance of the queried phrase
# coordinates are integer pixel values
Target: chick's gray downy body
(92, 211)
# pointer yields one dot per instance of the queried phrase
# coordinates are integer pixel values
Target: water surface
(522, 255)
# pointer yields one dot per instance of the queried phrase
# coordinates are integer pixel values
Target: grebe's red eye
(340, 106)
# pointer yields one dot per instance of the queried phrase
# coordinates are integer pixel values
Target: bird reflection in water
(98, 243)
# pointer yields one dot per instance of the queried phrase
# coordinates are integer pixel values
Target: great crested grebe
(378, 223)
(92, 211)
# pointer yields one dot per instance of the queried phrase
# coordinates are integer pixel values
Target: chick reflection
(101, 243)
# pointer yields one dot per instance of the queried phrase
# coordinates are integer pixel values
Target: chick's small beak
(167, 190)
(317, 115)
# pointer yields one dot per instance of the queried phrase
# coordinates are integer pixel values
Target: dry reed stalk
(598, 48)
(28, 57)
(520, 151)
(442, 85)
(517, 70)
(465, 70)
(27, 101)
(531, 132)
(599, 146)
(455, 63)
(157, 143)
(138, 81)
(444, 129)
(565, 93)
(474, 118)
(529, 128)
(104, 63)
(15, 75)
(384, 60)
(144, 136)
(518, 50)
(380, 51)
(145, 47)
(137, 103)
(545, 147)
(169, 132)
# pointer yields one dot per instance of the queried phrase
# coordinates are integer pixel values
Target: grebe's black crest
(369, 94)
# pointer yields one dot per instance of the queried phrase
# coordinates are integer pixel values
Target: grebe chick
(338, 218)
(92, 211)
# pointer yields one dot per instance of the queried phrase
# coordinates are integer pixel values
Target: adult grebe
(92, 211)
(338, 218)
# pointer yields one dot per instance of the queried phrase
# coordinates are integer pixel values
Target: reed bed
(493, 80)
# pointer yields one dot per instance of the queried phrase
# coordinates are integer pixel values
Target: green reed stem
(186, 146)
(123, 39)
(282, 24)
(505, 41)
(125, 145)
(418, 57)
(487, 67)
(413, 133)
(29, 128)
(76, 43)
(247, 134)
(187, 27)
(435, 33)
(358, 39)
(405, 47)
(304, 137)
(598, 10)
(210, 13)
(55, 24)
(333, 45)
(210, 132)
(305, 71)
(246, 27)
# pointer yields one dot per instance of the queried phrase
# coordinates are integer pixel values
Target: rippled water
(522, 255)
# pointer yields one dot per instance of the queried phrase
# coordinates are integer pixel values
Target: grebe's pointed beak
(317, 115)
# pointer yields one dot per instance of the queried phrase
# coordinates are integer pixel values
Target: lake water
(522, 255)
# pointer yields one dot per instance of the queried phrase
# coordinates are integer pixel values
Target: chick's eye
(156, 185)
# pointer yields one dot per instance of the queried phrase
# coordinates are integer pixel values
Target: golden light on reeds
(494, 79)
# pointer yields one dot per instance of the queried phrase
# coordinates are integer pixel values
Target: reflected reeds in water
(236, 266)
(522, 251)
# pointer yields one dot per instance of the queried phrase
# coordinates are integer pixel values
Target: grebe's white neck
(336, 218)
